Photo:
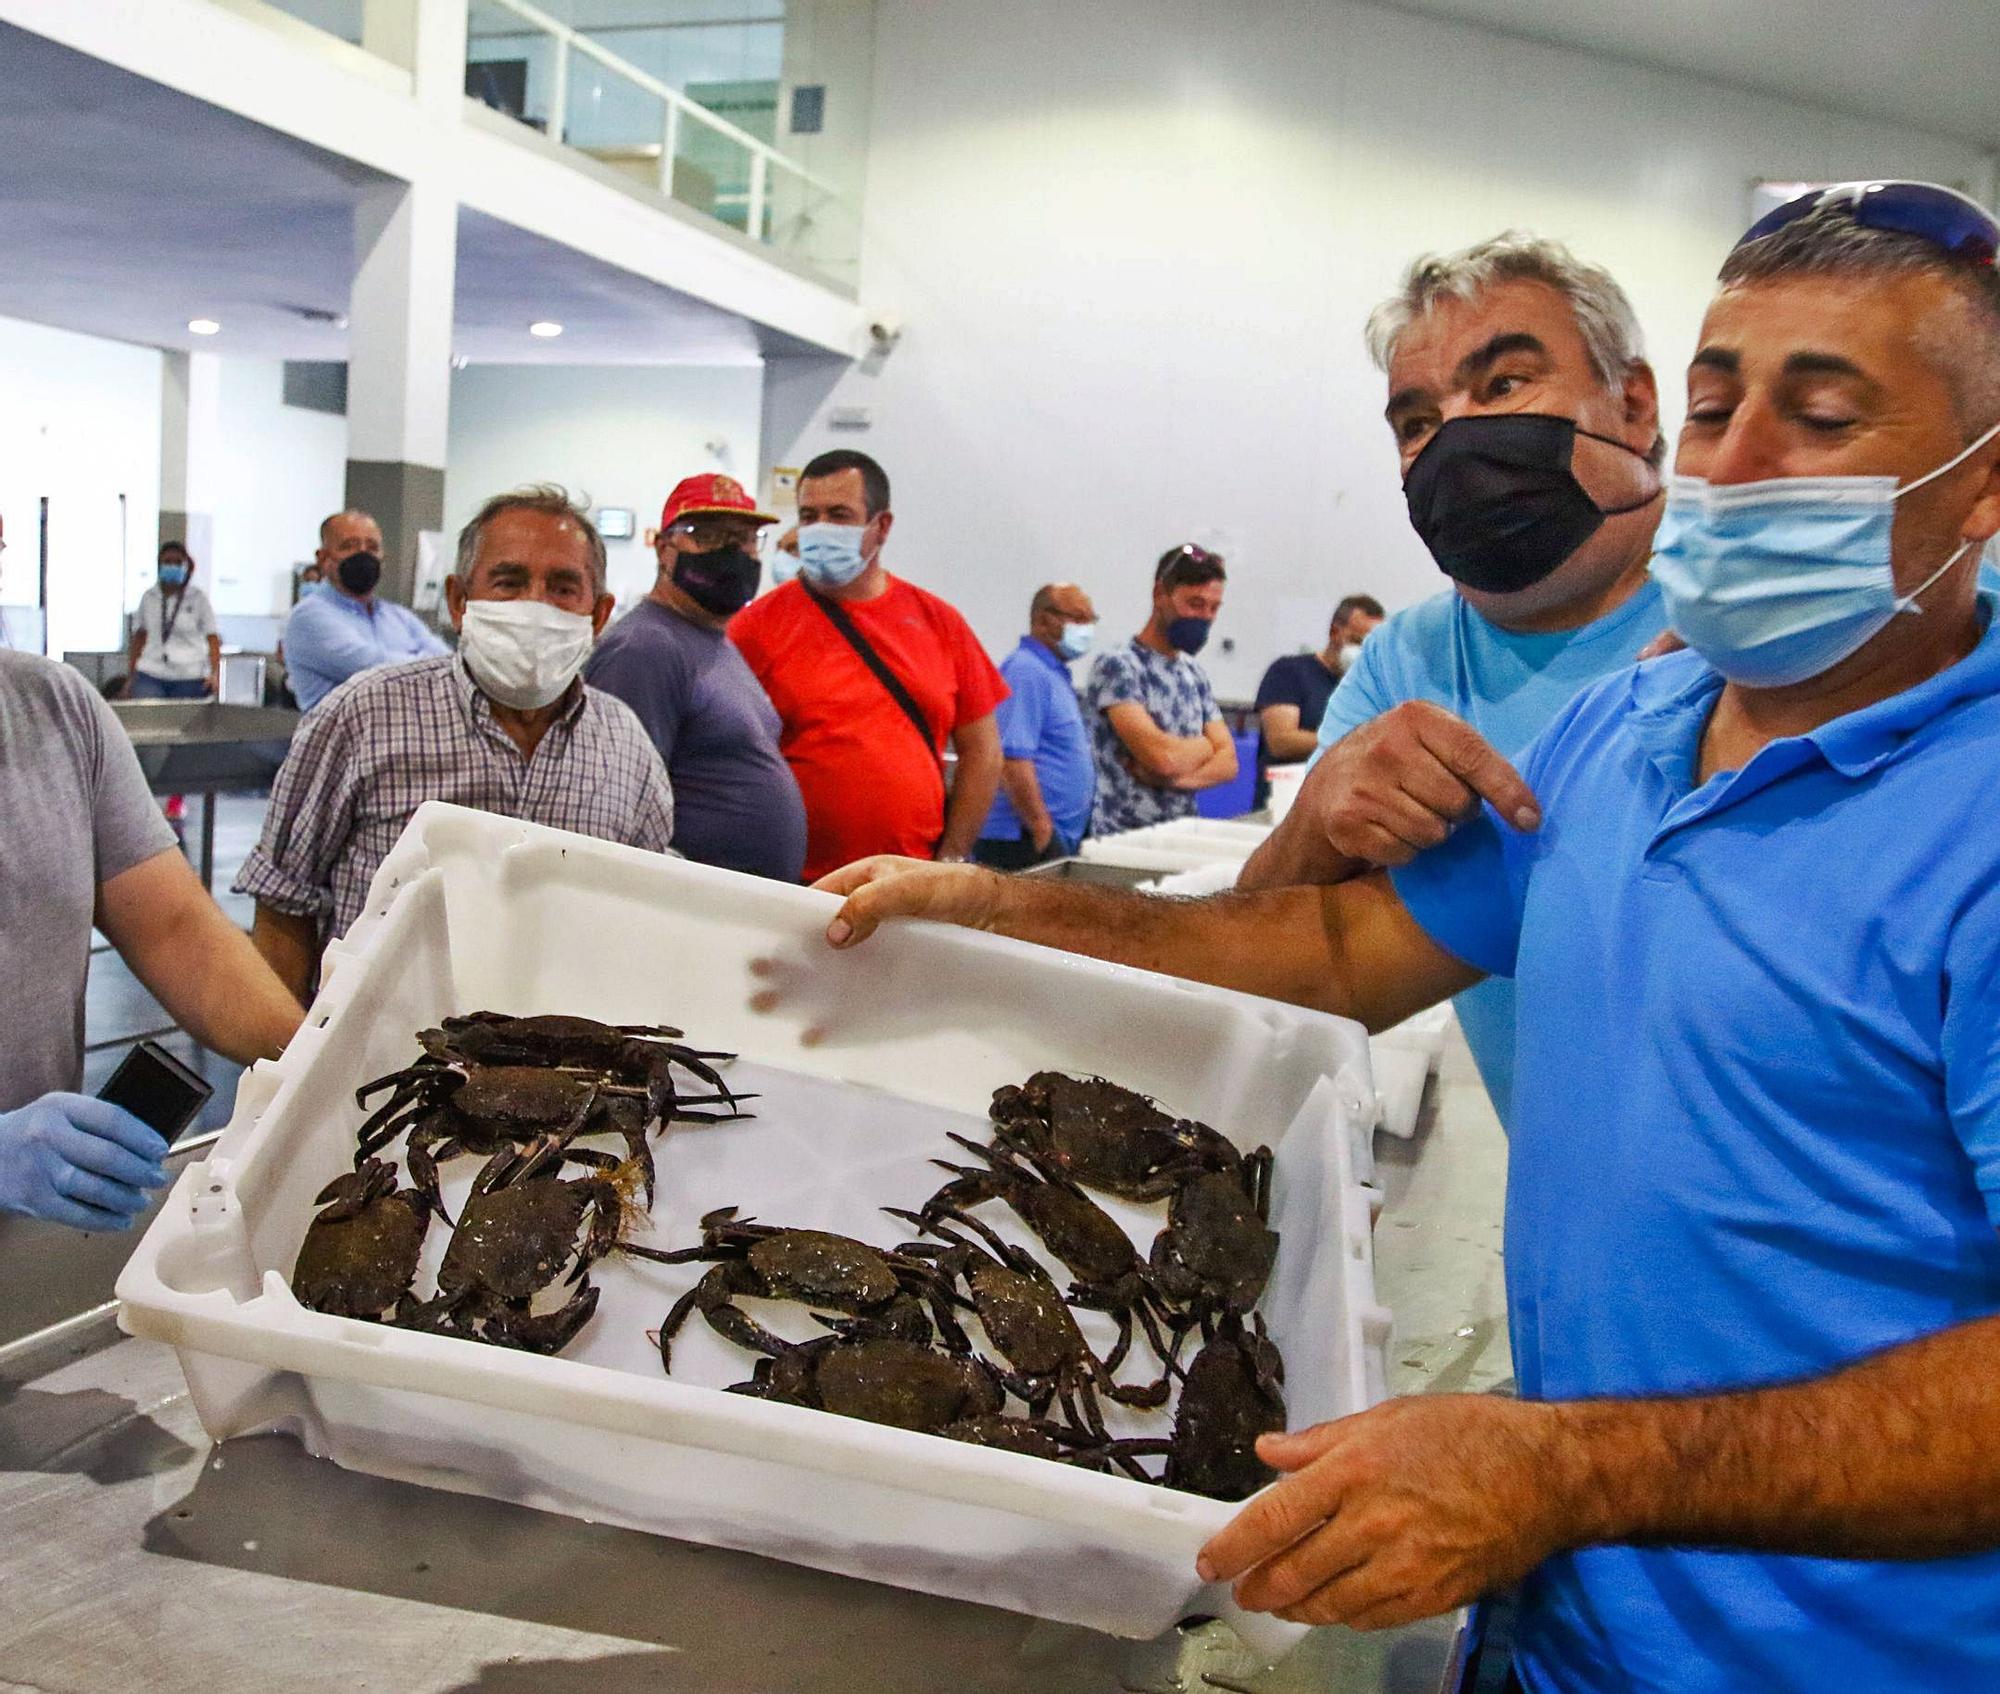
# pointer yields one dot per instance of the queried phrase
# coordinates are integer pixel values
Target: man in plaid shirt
(504, 724)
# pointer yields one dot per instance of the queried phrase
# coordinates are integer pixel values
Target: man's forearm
(1296, 855)
(971, 800)
(1897, 1457)
(289, 945)
(228, 998)
(1289, 746)
(1024, 794)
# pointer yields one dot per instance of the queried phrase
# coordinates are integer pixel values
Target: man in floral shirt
(1156, 735)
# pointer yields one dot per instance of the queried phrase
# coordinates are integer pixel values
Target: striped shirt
(386, 741)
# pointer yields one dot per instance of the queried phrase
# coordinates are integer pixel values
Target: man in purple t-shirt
(736, 803)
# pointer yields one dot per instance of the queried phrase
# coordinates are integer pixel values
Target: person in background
(345, 628)
(736, 802)
(504, 724)
(871, 677)
(176, 651)
(1046, 781)
(1157, 736)
(1292, 698)
(1528, 425)
(82, 844)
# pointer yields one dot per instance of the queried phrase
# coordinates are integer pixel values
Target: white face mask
(524, 653)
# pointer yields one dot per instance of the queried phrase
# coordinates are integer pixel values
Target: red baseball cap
(710, 494)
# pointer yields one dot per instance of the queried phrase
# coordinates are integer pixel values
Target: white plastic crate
(863, 1059)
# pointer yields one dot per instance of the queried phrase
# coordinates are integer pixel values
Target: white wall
(279, 470)
(1133, 243)
(79, 425)
(621, 435)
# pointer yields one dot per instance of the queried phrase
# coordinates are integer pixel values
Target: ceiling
(129, 209)
(1928, 64)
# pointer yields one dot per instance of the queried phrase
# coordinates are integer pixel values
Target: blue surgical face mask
(173, 576)
(830, 553)
(1189, 635)
(1076, 639)
(1776, 581)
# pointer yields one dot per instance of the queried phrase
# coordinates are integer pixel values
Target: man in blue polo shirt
(1527, 425)
(343, 627)
(1752, 1269)
(1046, 781)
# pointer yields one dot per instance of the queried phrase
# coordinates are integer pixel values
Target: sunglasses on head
(1942, 216)
(1188, 551)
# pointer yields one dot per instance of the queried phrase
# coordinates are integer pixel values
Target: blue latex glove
(78, 1161)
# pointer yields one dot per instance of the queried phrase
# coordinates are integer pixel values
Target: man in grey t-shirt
(82, 842)
(736, 802)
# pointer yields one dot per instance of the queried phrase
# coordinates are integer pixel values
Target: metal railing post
(760, 174)
(670, 145)
(559, 99)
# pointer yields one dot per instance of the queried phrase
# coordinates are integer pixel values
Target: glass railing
(339, 18)
(684, 104)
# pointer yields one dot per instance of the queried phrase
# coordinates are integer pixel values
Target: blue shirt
(1756, 1128)
(1041, 720)
(1507, 687)
(1175, 692)
(329, 638)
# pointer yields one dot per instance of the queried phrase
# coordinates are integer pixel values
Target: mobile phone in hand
(157, 1089)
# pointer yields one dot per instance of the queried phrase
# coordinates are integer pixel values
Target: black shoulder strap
(837, 616)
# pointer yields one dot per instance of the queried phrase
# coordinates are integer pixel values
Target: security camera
(886, 332)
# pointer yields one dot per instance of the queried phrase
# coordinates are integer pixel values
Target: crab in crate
(1234, 1393)
(859, 1372)
(1024, 1317)
(639, 1056)
(1216, 1253)
(1110, 1275)
(895, 1291)
(361, 1253)
(522, 1224)
(1105, 1136)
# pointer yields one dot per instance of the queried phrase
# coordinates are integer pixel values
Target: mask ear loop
(1909, 601)
(1659, 481)
(1950, 464)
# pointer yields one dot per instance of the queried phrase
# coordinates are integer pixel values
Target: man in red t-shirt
(873, 780)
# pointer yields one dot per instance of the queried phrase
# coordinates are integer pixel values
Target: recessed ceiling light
(204, 326)
(545, 329)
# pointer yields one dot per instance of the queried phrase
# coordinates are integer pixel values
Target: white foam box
(862, 1060)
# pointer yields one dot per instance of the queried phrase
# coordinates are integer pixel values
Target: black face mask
(359, 573)
(1497, 503)
(721, 582)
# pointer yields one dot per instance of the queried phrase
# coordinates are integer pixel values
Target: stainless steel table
(204, 747)
(134, 1555)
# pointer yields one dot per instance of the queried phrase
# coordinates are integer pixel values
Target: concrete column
(190, 447)
(399, 316)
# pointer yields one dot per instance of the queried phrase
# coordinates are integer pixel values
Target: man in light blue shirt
(1527, 424)
(1752, 1270)
(1046, 780)
(342, 628)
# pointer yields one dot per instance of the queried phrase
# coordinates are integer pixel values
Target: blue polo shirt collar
(1031, 646)
(1673, 697)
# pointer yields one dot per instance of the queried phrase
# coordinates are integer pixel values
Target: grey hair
(1962, 346)
(543, 497)
(1604, 315)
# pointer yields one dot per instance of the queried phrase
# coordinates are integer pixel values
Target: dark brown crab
(880, 1378)
(522, 1224)
(830, 1273)
(360, 1254)
(1106, 1137)
(1234, 1393)
(1216, 1253)
(1023, 1314)
(640, 1056)
(1110, 1275)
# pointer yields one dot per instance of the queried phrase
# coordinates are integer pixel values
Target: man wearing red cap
(737, 804)
(871, 677)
